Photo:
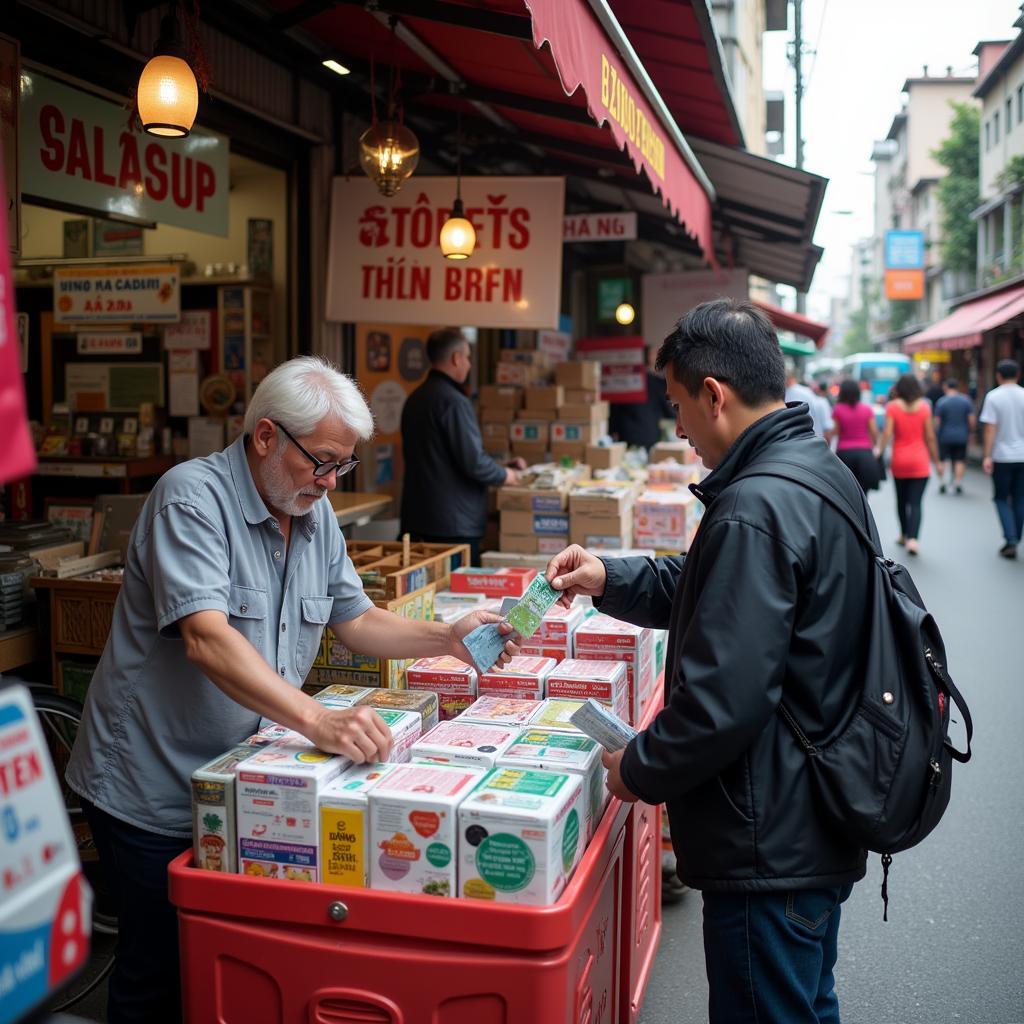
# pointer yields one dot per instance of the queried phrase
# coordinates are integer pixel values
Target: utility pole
(798, 46)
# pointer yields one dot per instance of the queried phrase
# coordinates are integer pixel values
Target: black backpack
(884, 778)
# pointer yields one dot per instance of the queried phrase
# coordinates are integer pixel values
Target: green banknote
(526, 615)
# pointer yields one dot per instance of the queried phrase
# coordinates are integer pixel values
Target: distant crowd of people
(928, 430)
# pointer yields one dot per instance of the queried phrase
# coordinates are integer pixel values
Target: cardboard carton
(492, 582)
(501, 711)
(533, 499)
(495, 434)
(582, 396)
(460, 742)
(501, 396)
(529, 431)
(523, 677)
(454, 683)
(603, 680)
(605, 498)
(575, 450)
(214, 840)
(556, 713)
(533, 452)
(421, 703)
(549, 397)
(605, 456)
(497, 414)
(580, 374)
(535, 523)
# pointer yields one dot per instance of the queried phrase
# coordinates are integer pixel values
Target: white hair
(301, 392)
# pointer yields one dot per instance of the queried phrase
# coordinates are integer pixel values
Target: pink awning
(964, 327)
(584, 55)
(795, 322)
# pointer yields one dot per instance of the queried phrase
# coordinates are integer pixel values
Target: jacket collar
(253, 506)
(438, 375)
(776, 428)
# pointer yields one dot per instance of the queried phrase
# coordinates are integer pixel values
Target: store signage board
(904, 250)
(77, 150)
(664, 298)
(623, 369)
(933, 356)
(102, 343)
(599, 227)
(139, 294)
(193, 331)
(904, 285)
(385, 262)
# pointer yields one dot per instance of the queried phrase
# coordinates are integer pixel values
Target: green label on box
(531, 783)
(570, 839)
(439, 855)
(505, 862)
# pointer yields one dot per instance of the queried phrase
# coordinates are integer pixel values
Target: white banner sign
(385, 262)
(145, 293)
(102, 344)
(599, 227)
(666, 297)
(78, 149)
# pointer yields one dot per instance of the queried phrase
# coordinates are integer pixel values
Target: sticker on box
(523, 677)
(470, 744)
(501, 711)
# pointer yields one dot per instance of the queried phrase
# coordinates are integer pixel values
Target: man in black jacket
(768, 603)
(447, 473)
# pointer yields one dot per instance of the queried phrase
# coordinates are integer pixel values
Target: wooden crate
(395, 569)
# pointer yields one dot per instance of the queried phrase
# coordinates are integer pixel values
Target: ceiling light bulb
(389, 153)
(338, 69)
(458, 236)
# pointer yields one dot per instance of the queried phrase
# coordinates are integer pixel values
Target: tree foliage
(958, 192)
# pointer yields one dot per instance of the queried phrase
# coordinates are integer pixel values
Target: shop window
(995, 128)
(988, 136)
(1009, 115)
(1020, 103)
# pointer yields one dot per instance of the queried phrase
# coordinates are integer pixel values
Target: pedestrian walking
(954, 423)
(772, 597)
(818, 406)
(1003, 418)
(447, 471)
(908, 425)
(856, 435)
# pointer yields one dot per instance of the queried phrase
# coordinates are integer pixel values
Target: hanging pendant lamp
(458, 236)
(167, 94)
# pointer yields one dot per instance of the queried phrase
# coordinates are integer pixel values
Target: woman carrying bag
(854, 426)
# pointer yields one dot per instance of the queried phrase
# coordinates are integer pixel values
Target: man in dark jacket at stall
(769, 604)
(447, 473)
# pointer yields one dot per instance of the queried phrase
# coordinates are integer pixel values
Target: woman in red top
(908, 424)
(854, 425)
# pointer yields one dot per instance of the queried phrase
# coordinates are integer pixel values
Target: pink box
(546, 650)
(559, 622)
(507, 581)
(455, 683)
(524, 677)
(605, 681)
(639, 673)
(601, 632)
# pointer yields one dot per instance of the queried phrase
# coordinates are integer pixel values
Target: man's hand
(517, 463)
(576, 571)
(986, 464)
(614, 782)
(466, 625)
(511, 477)
(358, 733)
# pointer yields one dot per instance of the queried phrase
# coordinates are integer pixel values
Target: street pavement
(952, 949)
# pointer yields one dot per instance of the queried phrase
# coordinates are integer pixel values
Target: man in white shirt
(1003, 417)
(820, 410)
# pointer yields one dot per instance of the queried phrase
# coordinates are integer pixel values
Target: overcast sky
(866, 49)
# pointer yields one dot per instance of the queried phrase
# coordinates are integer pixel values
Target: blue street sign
(904, 250)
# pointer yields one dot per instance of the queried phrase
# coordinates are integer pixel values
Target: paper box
(530, 431)
(559, 623)
(419, 702)
(501, 396)
(498, 414)
(453, 682)
(414, 828)
(460, 742)
(523, 677)
(522, 544)
(533, 499)
(539, 523)
(680, 451)
(533, 452)
(600, 533)
(538, 415)
(662, 518)
(556, 713)
(449, 607)
(548, 397)
(547, 649)
(518, 374)
(521, 834)
(603, 680)
(581, 373)
(604, 498)
(605, 456)
(341, 695)
(501, 711)
(554, 751)
(574, 450)
(495, 435)
(583, 396)
(492, 582)
(530, 356)
(580, 433)
(214, 840)
(344, 806)
(594, 413)
(276, 790)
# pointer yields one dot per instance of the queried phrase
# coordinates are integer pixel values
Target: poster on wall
(384, 254)
(129, 294)
(666, 297)
(391, 363)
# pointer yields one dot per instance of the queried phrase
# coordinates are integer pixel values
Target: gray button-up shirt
(204, 539)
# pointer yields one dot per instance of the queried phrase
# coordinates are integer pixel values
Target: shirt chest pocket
(316, 611)
(247, 612)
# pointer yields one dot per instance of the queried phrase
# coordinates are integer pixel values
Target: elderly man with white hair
(234, 567)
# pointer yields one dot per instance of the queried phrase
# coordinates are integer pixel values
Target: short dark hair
(908, 387)
(1008, 369)
(849, 392)
(731, 341)
(442, 343)
(953, 383)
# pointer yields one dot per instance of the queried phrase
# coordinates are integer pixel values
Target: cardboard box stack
(601, 638)
(664, 518)
(453, 681)
(554, 639)
(681, 451)
(603, 680)
(534, 516)
(602, 514)
(522, 367)
(605, 456)
(499, 404)
(524, 677)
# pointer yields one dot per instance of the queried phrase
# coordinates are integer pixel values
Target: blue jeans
(1008, 494)
(145, 985)
(770, 956)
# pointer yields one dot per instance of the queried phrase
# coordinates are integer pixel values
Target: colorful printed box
(523, 677)
(505, 582)
(501, 711)
(603, 680)
(469, 744)
(420, 701)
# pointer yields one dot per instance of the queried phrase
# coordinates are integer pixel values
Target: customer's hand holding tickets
(576, 571)
(497, 652)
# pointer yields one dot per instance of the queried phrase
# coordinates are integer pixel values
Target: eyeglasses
(320, 468)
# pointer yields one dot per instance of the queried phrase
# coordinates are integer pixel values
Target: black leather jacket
(446, 470)
(768, 603)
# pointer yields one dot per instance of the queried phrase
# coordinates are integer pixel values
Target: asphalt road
(952, 950)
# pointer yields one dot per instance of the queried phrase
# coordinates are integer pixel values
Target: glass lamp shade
(168, 97)
(389, 153)
(458, 236)
(624, 313)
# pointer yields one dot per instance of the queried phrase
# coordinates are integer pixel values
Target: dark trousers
(909, 492)
(145, 985)
(770, 956)
(473, 542)
(1008, 494)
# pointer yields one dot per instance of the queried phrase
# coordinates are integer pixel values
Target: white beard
(281, 491)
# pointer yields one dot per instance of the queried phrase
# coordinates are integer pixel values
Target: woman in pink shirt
(908, 424)
(854, 425)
